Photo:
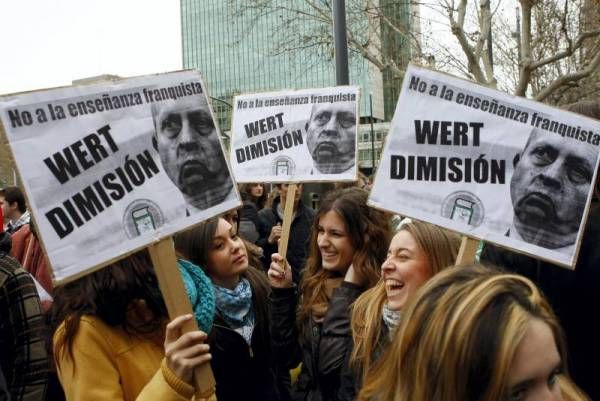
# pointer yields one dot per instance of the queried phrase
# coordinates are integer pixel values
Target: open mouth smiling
(393, 287)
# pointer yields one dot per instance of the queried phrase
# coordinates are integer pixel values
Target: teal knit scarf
(200, 291)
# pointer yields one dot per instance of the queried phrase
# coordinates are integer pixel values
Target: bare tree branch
(567, 52)
(569, 78)
(555, 58)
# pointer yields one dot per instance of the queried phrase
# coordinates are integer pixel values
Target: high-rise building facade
(234, 52)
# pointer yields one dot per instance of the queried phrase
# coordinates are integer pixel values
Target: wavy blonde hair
(440, 246)
(369, 231)
(458, 338)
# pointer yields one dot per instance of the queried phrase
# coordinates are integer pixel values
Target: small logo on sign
(283, 165)
(463, 206)
(142, 216)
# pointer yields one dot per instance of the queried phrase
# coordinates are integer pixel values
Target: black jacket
(4, 395)
(351, 376)
(299, 236)
(574, 296)
(5, 244)
(242, 372)
(322, 348)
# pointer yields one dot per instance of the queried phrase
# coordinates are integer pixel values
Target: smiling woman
(347, 246)
(486, 335)
(416, 253)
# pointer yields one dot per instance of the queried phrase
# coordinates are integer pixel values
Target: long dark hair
(108, 294)
(246, 189)
(369, 232)
(196, 243)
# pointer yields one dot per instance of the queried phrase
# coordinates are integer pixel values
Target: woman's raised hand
(185, 352)
(280, 272)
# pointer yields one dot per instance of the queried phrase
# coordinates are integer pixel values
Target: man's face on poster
(189, 147)
(550, 184)
(331, 136)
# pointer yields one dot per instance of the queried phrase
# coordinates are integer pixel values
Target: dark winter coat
(322, 348)
(351, 376)
(4, 396)
(244, 372)
(299, 236)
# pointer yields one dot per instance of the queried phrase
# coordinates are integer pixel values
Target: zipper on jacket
(250, 350)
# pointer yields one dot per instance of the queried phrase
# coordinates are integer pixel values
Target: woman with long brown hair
(347, 246)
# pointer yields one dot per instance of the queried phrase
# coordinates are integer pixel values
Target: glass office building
(235, 53)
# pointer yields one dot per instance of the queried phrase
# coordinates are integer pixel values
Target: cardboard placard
(489, 165)
(112, 167)
(295, 136)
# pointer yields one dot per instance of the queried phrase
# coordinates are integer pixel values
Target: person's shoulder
(92, 329)
(266, 213)
(87, 324)
(11, 270)
(306, 210)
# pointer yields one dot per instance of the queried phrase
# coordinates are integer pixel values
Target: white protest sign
(489, 165)
(110, 168)
(295, 136)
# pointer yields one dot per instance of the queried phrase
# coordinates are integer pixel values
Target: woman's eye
(517, 395)
(554, 377)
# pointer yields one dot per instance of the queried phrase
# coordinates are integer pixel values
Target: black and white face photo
(190, 151)
(549, 188)
(331, 136)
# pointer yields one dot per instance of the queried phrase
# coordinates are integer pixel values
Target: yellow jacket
(110, 364)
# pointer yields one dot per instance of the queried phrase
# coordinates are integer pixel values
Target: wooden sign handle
(288, 212)
(171, 285)
(467, 251)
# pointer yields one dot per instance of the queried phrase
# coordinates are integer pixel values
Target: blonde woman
(473, 333)
(416, 253)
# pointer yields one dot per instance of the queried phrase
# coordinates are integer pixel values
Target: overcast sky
(47, 43)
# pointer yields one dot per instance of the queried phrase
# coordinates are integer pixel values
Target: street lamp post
(372, 135)
(340, 40)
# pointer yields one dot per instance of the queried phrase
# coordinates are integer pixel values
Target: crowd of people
(365, 306)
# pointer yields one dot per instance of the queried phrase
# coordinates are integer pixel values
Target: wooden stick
(171, 285)
(288, 212)
(467, 251)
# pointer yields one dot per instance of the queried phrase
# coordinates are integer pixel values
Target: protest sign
(110, 168)
(492, 166)
(295, 136)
